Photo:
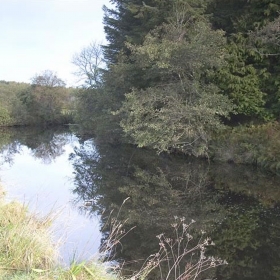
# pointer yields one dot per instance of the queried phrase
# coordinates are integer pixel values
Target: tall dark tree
(130, 21)
(249, 78)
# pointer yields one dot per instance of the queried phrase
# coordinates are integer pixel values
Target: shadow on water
(237, 206)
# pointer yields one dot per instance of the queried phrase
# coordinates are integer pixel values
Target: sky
(38, 35)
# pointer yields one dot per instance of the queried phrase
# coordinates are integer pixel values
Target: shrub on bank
(257, 144)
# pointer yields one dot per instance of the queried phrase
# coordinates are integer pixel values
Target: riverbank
(27, 250)
(257, 145)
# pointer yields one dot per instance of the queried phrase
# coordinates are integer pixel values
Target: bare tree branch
(47, 78)
(90, 64)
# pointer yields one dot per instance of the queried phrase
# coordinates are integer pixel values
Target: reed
(25, 241)
(28, 252)
(179, 257)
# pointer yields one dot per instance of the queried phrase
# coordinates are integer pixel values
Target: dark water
(237, 206)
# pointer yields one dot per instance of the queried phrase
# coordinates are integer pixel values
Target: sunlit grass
(25, 241)
(28, 252)
(77, 271)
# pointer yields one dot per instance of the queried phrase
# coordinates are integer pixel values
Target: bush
(257, 144)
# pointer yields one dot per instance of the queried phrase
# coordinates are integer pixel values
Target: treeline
(177, 74)
(46, 101)
(187, 76)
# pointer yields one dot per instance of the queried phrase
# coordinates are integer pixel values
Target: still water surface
(237, 206)
(36, 170)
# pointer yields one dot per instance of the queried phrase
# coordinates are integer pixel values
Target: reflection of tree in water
(161, 187)
(7, 151)
(247, 180)
(249, 235)
(44, 144)
(8, 147)
(248, 238)
(49, 150)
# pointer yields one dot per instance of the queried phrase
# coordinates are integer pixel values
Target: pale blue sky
(38, 35)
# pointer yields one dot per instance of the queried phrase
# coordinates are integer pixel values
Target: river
(88, 181)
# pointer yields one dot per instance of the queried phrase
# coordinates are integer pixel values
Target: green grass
(28, 253)
(27, 250)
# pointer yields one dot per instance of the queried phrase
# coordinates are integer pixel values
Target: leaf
(88, 270)
(38, 270)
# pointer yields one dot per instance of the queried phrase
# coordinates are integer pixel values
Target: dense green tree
(93, 110)
(173, 65)
(241, 81)
(250, 77)
(130, 21)
(174, 23)
(45, 99)
(12, 111)
(184, 107)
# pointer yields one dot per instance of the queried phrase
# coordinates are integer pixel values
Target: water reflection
(36, 171)
(237, 206)
(45, 145)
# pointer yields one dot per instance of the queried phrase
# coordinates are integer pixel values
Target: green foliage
(240, 80)
(4, 116)
(176, 70)
(250, 77)
(241, 16)
(182, 109)
(43, 104)
(163, 121)
(93, 114)
(46, 100)
(25, 104)
(12, 112)
(130, 21)
(258, 145)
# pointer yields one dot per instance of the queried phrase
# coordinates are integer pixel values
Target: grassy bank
(256, 145)
(27, 250)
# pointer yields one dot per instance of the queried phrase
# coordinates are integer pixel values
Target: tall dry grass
(27, 251)
(25, 240)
